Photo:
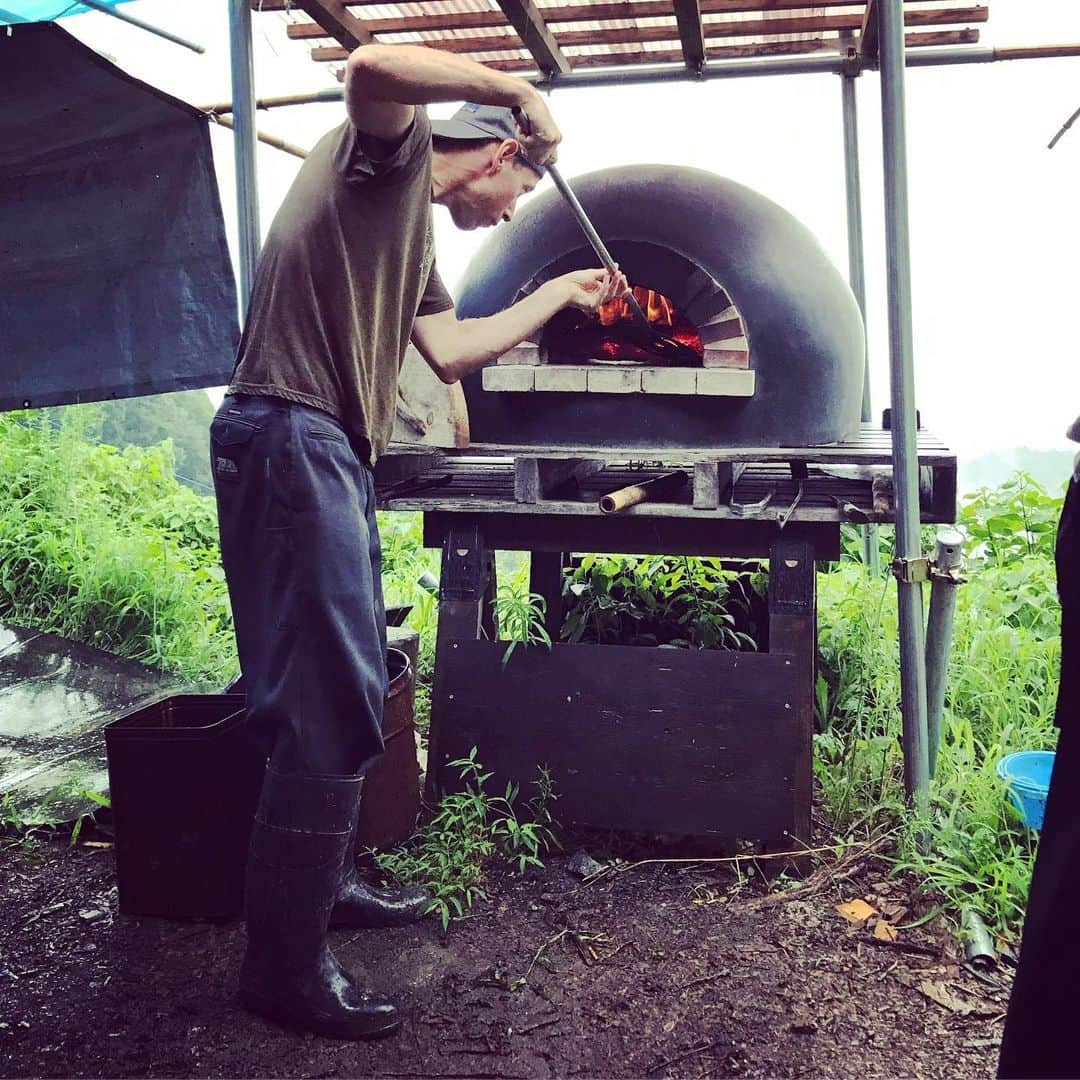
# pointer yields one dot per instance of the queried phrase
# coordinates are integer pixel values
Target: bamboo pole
(263, 137)
(623, 498)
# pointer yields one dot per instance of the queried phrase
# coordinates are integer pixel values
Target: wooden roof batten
(691, 34)
(336, 20)
(804, 26)
(572, 42)
(525, 18)
(868, 32)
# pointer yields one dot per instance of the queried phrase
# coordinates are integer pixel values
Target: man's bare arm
(454, 348)
(384, 82)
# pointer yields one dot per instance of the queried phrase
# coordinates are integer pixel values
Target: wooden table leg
(793, 631)
(466, 609)
(546, 579)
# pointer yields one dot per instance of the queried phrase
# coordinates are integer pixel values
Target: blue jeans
(300, 548)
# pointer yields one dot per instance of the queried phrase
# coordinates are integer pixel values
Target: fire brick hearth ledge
(588, 378)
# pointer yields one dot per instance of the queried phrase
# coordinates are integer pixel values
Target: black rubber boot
(302, 832)
(370, 907)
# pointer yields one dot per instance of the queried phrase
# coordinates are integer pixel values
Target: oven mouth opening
(686, 304)
(614, 334)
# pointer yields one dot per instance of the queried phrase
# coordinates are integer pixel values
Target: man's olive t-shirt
(348, 264)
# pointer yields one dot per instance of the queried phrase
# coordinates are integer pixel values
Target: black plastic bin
(184, 779)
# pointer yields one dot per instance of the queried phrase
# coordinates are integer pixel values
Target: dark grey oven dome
(718, 251)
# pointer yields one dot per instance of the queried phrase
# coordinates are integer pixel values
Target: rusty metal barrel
(391, 796)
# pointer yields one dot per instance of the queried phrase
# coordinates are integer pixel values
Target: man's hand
(540, 136)
(588, 289)
(456, 347)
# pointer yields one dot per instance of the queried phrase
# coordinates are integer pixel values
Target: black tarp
(115, 278)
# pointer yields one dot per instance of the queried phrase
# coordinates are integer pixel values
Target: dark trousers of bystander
(1039, 1040)
(300, 548)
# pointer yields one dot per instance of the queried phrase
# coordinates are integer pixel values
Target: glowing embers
(615, 335)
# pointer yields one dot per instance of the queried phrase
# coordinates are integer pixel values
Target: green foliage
(404, 561)
(657, 600)
(449, 854)
(22, 825)
(520, 613)
(1001, 690)
(182, 419)
(1008, 524)
(106, 547)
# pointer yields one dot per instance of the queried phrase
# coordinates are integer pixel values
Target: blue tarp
(19, 11)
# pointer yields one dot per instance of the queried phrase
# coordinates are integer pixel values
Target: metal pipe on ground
(909, 560)
(945, 577)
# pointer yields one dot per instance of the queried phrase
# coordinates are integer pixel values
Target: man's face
(491, 195)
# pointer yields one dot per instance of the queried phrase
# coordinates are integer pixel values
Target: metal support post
(142, 24)
(945, 577)
(247, 191)
(856, 273)
(902, 395)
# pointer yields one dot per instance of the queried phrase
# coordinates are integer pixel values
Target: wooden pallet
(841, 482)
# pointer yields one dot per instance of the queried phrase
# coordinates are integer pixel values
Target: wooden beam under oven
(688, 18)
(525, 18)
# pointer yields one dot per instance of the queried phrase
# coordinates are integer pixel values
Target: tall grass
(105, 546)
(1002, 683)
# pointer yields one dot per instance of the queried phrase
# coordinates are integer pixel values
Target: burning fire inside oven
(615, 335)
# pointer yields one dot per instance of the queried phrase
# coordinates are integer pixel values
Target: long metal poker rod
(594, 237)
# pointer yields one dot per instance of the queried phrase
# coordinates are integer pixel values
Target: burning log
(614, 334)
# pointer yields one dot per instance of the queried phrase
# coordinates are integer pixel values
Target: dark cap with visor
(473, 123)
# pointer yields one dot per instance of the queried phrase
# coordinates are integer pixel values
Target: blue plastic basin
(1027, 775)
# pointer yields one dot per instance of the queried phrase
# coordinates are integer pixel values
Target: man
(1042, 1007)
(347, 275)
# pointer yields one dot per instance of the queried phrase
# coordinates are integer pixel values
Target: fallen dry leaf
(936, 991)
(856, 911)
(884, 931)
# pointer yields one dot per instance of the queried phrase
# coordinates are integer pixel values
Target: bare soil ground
(658, 970)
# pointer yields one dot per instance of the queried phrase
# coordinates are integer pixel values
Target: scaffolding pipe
(856, 272)
(902, 394)
(797, 65)
(946, 576)
(719, 69)
(150, 28)
(247, 191)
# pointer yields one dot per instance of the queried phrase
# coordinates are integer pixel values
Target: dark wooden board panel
(631, 535)
(641, 740)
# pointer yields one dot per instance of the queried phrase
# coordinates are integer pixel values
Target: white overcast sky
(995, 216)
